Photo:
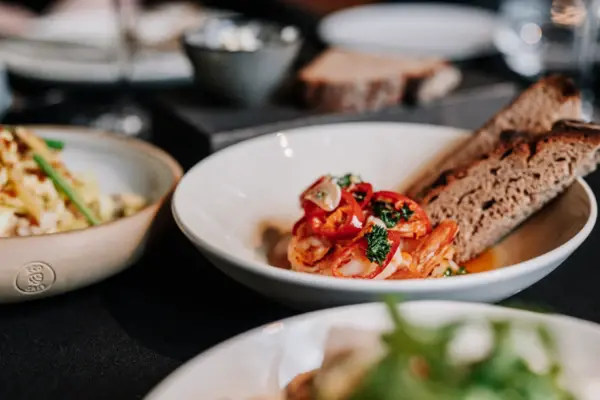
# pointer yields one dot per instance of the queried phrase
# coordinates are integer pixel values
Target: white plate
(97, 28)
(265, 359)
(442, 30)
(224, 203)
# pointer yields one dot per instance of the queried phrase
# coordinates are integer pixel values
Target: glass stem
(586, 45)
(126, 47)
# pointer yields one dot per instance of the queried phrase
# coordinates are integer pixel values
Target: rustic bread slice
(346, 81)
(494, 194)
(535, 110)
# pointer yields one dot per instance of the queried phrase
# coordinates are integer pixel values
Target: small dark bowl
(240, 60)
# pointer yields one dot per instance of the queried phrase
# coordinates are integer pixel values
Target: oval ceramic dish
(225, 202)
(45, 265)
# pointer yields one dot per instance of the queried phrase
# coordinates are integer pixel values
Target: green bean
(61, 183)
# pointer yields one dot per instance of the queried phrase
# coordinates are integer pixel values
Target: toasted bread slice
(494, 194)
(534, 111)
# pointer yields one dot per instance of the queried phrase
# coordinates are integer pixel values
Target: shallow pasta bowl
(45, 265)
(232, 204)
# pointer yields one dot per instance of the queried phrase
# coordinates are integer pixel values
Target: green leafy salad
(415, 364)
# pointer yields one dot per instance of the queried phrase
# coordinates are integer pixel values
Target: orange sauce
(486, 261)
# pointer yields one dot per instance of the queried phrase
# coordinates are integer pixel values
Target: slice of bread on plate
(491, 196)
(534, 111)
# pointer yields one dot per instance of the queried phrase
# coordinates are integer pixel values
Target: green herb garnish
(378, 245)
(55, 144)
(389, 215)
(61, 183)
(450, 272)
(347, 180)
(417, 366)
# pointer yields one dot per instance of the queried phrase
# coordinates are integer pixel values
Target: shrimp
(435, 247)
(306, 250)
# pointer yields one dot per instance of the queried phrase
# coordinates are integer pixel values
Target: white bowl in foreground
(226, 203)
(265, 359)
(45, 265)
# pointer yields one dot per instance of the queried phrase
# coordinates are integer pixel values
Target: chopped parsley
(378, 245)
(450, 272)
(347, 180)
(389, 215)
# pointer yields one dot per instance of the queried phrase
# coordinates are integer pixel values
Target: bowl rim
(173, 380)
(134, 143)
(380, 286)
(184, 39)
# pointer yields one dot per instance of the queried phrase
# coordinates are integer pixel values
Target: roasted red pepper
(342, 223)
(362, 193)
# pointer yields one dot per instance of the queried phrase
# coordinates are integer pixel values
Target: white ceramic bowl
(222, 203)
(267, 358)
(44, 265)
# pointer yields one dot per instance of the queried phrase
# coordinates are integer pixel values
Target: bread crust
(345, 81)
(495, 193)
(534, 111)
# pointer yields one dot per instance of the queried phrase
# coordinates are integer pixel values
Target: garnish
(385, 211)
(418, 366)
(62, 184)
(450, 272)
(378, 244)
(55, 144)
(347, 180)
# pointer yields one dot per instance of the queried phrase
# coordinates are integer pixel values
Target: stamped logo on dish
(35, 277)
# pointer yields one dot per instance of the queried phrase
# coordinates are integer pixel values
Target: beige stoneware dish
(45, 265)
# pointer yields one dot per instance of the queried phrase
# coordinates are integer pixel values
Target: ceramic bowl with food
(77, 206)
(239, 60)
(237, 204)
(341, 341)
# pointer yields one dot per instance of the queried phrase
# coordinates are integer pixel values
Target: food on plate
(341, 81)
(494, 194)
(39, 195)
(425, 363)
(534, 112)
(349, 230)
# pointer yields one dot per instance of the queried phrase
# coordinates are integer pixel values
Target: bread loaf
(534, 111)
(345, 81)
(494, 194)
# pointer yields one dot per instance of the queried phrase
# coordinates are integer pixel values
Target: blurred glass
(538, 36)
(542, 36)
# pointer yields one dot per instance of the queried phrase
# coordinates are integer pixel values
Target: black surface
(118, 339)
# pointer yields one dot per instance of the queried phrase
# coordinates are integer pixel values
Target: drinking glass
(124, 117)
(541, 36)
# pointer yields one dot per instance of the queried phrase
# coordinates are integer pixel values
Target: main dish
(39, 195)
(349, 230)
(414, 362)
(509, 169)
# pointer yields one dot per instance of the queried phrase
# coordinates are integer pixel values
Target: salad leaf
(418, 367)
